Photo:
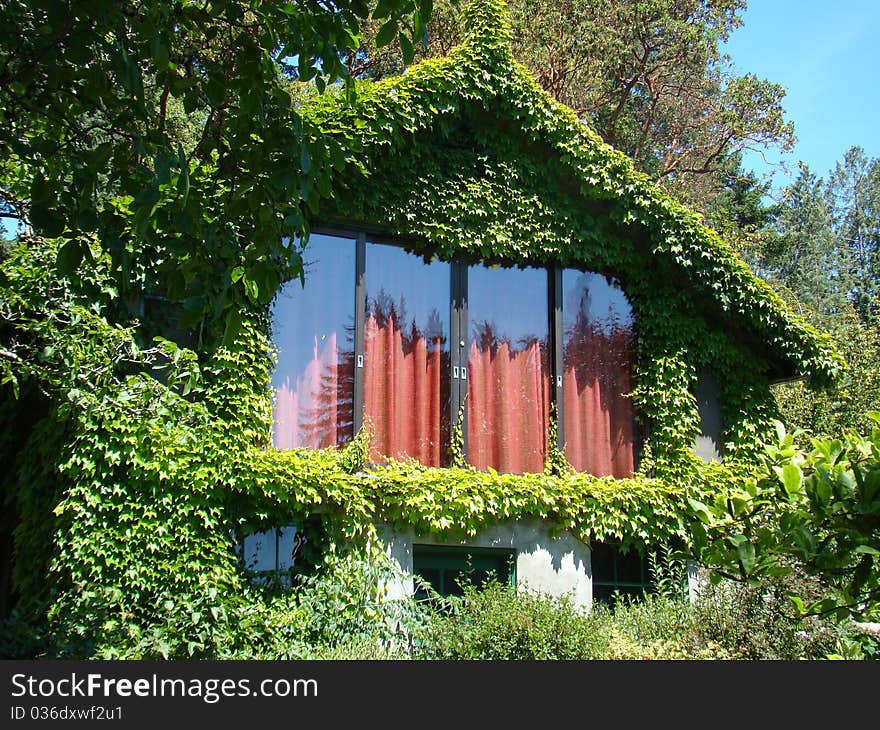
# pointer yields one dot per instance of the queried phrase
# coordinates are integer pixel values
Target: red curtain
(598, 416)
(508, 408)
(307, 414)
(402, 392)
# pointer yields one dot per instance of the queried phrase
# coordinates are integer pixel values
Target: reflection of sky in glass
(269, 550)
(513, 301)
(605, 303)
(303, 318)
(418, 292)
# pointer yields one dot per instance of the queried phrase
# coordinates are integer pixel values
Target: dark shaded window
(597, 355)
(617, 573)
(313, 330)
(708, 441)
(508, 393)
(447, 568)
(406, 355)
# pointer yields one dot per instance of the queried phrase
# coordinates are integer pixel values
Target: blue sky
(827, 58)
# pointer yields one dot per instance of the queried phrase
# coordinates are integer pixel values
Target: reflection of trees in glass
(384, 309)
(320, 402)
(332, 417)
(315, 330)
(597, 354)
(599, 349)
(485, 336)
(406, 381)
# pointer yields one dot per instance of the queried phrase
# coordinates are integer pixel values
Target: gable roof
(482, 72)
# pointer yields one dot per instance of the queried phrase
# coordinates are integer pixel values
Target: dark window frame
(464, 558)
(610, 586)
(458, 324)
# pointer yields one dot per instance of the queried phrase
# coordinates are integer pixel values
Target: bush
(761, 621)
(729, 621)
(658, 627)
(500, 622)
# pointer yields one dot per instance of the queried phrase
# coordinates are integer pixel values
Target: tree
(648, 75)
(824, 241)
(806, 255)
(165, 135)
(828, 412)
(819, 248)
(739, 211)
(853, 191)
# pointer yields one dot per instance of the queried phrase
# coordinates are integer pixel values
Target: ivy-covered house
(511, 353)
(542, 344)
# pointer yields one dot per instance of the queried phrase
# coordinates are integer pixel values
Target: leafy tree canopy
(648, 75)
(165, 133)
(820, 248)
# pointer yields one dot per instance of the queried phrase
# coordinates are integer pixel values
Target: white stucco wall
(557, 564)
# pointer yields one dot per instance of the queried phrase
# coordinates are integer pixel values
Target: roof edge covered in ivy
(482, 71)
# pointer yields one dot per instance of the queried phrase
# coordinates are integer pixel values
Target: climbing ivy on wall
(150, 462)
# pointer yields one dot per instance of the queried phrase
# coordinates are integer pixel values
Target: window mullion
(556, 339)
(360, 289)
(458, 346)
(462, 345)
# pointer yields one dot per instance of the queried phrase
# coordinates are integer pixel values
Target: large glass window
(384, 336)
(508, 393)
(406, 355)
(597, 355)
(313, 329)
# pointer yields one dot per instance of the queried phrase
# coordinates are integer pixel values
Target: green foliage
(759, 620)
(727, 622)
(819, 509)
(347, 605)
(148, 461)
(648, 76)
(659, 628)
(165, 135)
(821, 253)
(500, 623)
(845, 405)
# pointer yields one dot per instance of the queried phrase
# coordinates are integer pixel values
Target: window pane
(260, 551)
(406, 355)
(508, 402)
(615, 572)
(597, 355)
(631, 568)
(448, 567)
(313, 329)
(602, 562)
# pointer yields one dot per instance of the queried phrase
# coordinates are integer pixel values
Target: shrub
(500, 622)
(761, 621)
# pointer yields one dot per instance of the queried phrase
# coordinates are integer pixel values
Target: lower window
(616, 573)
(449, 568)
(268, 556)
